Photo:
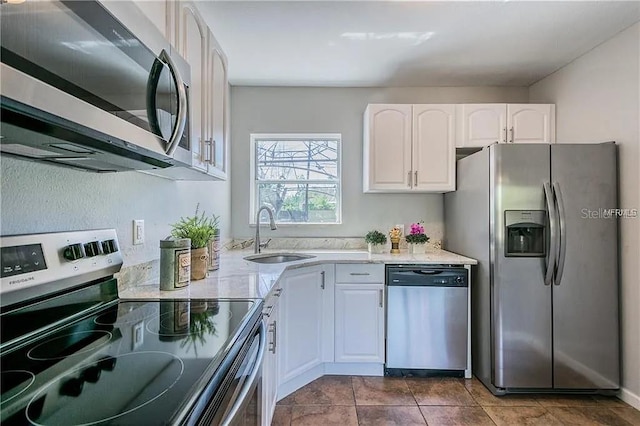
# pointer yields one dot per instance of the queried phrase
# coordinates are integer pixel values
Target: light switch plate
(401, 227)
(138, 231)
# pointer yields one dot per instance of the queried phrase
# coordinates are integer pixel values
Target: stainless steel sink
(277, 257)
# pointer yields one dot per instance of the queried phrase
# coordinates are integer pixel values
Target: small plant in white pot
(376, 241)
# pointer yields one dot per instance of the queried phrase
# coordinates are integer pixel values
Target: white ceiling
(408, 43)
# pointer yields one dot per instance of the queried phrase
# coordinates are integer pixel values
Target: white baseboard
(630, 398)
(299, 381)
(338, 369)
(354, 369)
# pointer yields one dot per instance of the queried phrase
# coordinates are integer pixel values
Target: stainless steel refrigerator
(545, 291)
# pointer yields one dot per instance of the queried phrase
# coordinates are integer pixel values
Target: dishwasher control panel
(426, 275)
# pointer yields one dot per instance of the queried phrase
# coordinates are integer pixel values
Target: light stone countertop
(238, 278)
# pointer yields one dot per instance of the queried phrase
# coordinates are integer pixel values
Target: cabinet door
(217, 103)
(480, 125)
(387, 147)
(300, 332)
(160, 12)
(434, 150)
(270, 364)
(359, 323)
(192, 45)
(531, 123)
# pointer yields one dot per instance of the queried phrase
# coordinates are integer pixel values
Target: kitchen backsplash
(148, 272)
(315, 244)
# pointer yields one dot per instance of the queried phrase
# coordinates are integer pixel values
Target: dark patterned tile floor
(363, 400)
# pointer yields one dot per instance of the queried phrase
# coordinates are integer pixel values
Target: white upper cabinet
(161, 13)
(434, 151)
(480, 125)
(209, 90)
(218, 95)
(192, 45)
(409, 148)
(387, 147)
(531, 123)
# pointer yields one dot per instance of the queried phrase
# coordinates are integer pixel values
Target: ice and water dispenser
(525, 232)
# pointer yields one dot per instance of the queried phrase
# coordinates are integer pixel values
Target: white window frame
(253, 182)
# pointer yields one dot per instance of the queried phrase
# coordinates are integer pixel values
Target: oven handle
(253, 378)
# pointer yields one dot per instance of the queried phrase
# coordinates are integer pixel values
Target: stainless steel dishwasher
(426, 319)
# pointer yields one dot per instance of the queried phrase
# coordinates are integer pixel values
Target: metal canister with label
(175, 263)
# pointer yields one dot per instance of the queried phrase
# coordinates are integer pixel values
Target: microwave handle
(176, 135)
(251, 381)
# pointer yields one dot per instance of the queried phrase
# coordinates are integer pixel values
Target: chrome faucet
(272, 223)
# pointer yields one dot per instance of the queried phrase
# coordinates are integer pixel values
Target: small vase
(376, 248)
(415, 248)
(199, 263)
(395, 245)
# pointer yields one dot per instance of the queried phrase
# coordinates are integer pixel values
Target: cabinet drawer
(359, 273)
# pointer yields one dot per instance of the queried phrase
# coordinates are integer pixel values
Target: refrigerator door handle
(562, 234)
(553, 232)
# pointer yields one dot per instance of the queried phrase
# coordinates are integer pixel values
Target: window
(298, 176)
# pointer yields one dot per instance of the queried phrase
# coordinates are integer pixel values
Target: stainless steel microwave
(91, 85)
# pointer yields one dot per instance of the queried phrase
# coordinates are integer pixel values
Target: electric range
(73, 353)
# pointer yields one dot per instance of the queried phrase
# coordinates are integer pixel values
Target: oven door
(76, 60)
(242, 402)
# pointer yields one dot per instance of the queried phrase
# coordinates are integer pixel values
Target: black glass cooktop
(134, 362)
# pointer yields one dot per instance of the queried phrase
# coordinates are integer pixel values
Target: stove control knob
(107, 363)
(92, 249)
(459, 280)
(109, 246)
(92, 374)
(72, 387)
(73, 252)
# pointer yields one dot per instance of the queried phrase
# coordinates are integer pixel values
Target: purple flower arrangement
(417, 235)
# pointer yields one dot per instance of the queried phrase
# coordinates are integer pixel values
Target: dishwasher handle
(428, 271)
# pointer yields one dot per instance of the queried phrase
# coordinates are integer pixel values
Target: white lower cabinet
(270, 362)
(304, 324)
(359, 323)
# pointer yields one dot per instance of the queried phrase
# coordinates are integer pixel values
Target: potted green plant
(417, 239)
(199, 229)
(376, 241)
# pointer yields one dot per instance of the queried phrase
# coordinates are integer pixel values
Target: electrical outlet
(138, 231)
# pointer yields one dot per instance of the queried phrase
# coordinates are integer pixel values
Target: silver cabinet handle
(415, 178)
(272, 344)
(504, 135)
(267, 311)
(322, 275)
(359, 273)
(181, 121)
(381, 298)
(511, 130)
(275, 336)
(409, 179)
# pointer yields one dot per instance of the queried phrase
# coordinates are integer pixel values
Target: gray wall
(339, 110)
(597, 99)
(43, 198)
